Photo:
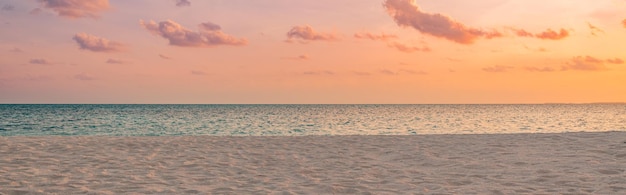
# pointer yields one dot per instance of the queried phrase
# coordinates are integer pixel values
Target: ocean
(299, 120)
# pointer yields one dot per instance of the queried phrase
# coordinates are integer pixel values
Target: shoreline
(535, 163)
(312, 135)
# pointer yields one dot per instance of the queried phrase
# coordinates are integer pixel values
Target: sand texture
(568, 163)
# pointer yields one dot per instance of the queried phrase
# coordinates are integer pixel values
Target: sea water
(296, 120)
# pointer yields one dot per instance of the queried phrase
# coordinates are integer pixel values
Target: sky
(312, 52)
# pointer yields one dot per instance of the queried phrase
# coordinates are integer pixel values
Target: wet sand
(566, 163)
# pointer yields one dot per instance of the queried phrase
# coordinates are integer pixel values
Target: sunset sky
(324, 51)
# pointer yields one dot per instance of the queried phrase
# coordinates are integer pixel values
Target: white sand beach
(567, 163)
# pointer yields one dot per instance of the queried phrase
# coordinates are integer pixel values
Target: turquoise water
(288, 120)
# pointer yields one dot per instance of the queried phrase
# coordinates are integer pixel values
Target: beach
(559, 163)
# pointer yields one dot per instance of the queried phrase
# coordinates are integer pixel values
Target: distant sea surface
(295, 120)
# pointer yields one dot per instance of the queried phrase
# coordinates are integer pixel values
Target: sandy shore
(576, 163)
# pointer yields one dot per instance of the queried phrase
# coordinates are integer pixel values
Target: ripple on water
(277, 120)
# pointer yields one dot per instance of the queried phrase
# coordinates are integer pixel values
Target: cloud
(7, 7)
(76, 8)
(401, 71)
(115, 61)
(615, 61)
(35, 11)
(37, 78)
(300, 57)
(407, 14)
(538, 69)
(580, 63)
(553, 35)
(84, 77)
(177, 35)
(39, 61)
(624, 23)
(523, 33)
(498, 68)
(547, 34)
(586, 63)
(307, 33)
(408, 49)
(303, 57)
(540, 49)
(387, 72)
(96, 44)
(181, 3)
(326, 72)
(421, 72)
(198, 73)
(594, 29)
(392, 44)
(16, 50)
(209, 26)
(164, 57)
(381, 37)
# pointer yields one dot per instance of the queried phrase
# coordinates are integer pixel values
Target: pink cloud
(326, 72)
(387, 72)
(35, 11)
(164, 57)
(540, 49)
(594, 29)
(407, 14)
(615, 61)
(300, 57)
(37, 78)
(408, 49)
(580, 63)
(177, 35)
(402, 71)
(181, 3)
(586, 63)
(392, 44)
(307, 33)
(547, 34)
(76, 8)
(97, 44)
(523, 33)
(198, 73)
(538, 69)
(84, 77)
(7, 7)
(209, 26)
(16, 50)
(553, 35)
(591, 59)
(39, 61)
(498, 68)
(114, 61)
(421, 72)
(303, 57)
(381, 37)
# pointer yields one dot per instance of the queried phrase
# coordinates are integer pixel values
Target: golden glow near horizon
(354, 51)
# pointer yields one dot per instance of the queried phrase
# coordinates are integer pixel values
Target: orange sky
(326, 51)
